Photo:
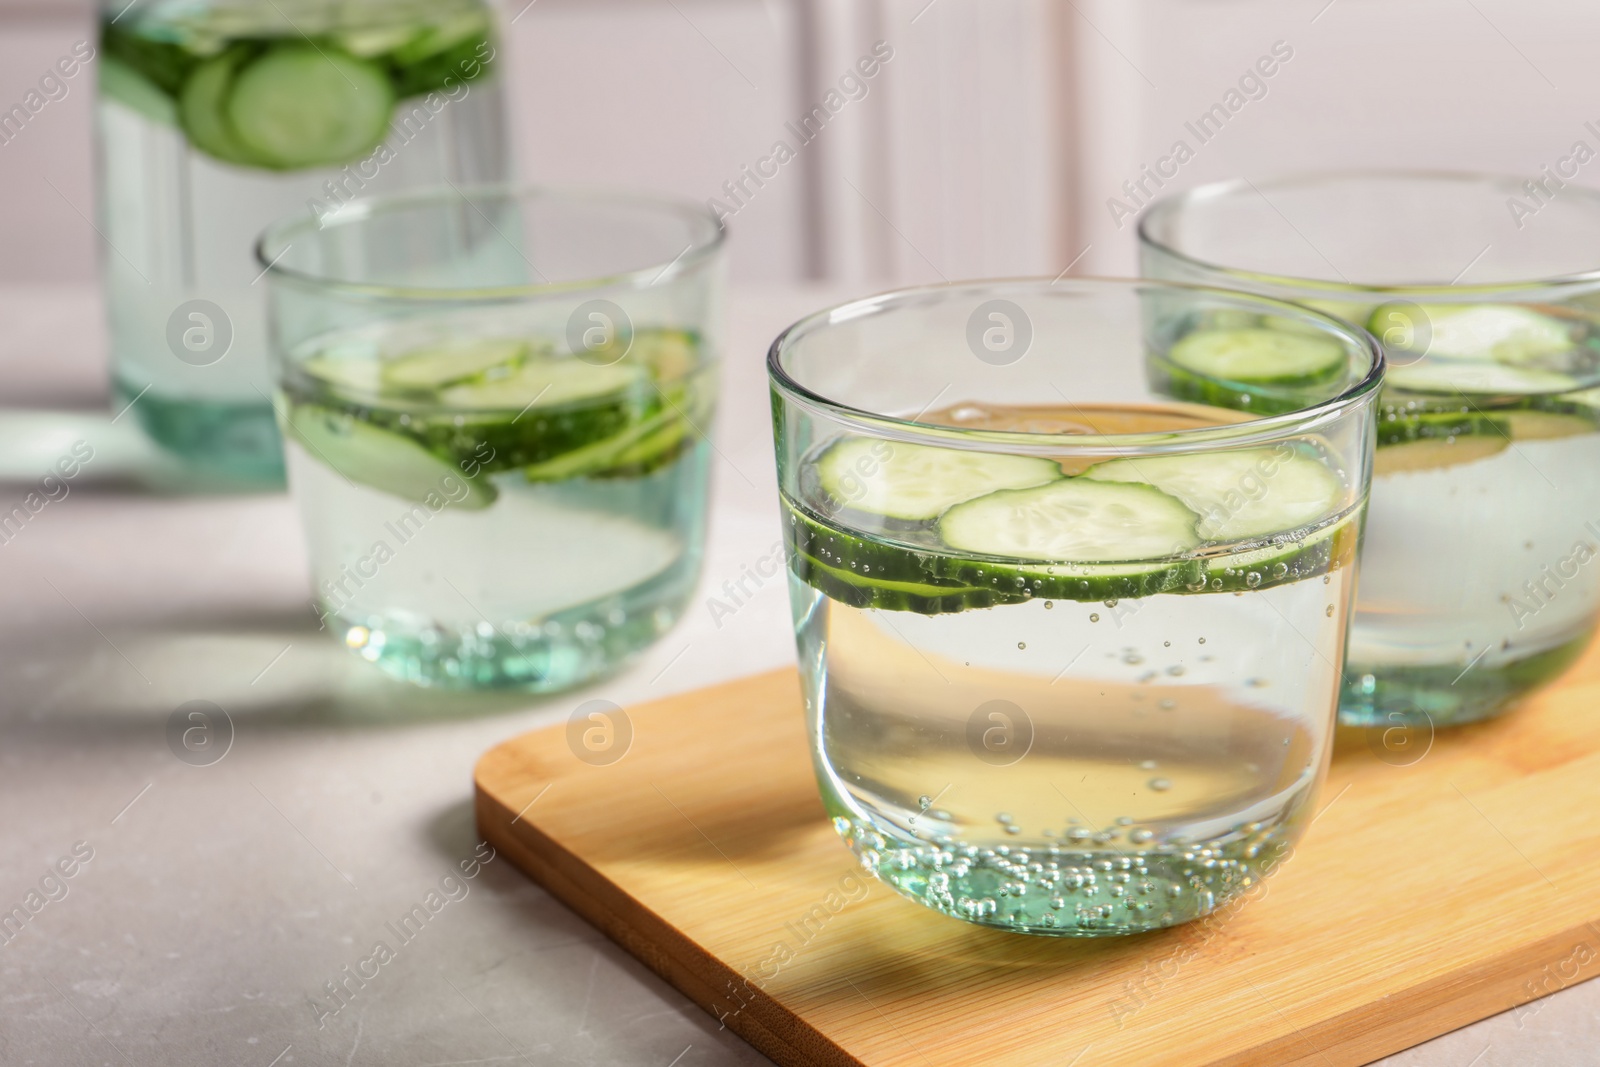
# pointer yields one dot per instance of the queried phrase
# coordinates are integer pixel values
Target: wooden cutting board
(1430, 892)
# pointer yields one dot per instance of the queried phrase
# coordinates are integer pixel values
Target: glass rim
(281, 234)
(1165, 207)
(1265, 428)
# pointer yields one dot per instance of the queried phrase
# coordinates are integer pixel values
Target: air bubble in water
(1329, 611)
(1147, 765)
(1022, 644)
(1094, 617)
(924, 802)
(1048, 604)
(1202, 640)
(1160, 785)
(1139, 837)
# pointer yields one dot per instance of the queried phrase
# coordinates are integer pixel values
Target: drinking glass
(494, 404)
(216, 117)
(1476, 587)
(1069, 644)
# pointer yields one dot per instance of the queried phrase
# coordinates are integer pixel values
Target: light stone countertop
(220, 899)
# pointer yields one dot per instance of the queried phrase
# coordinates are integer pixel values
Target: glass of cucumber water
(1477, 581)
(494, 403)
(1069, 641)
(216, 117)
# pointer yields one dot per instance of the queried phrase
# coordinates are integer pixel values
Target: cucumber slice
(1259, 355)
(1505, 333)
(1404, 429)
(646, 442)
(389, 462)
(374, 42)
(1241, 494)
(1173, 381)
(916, 483)
(350, 375)
(1481, 379)
(133, 90)
(299, 106)
(867, 572)
(202, 109)
(1074, 520)
(544, 383)
(447, 364)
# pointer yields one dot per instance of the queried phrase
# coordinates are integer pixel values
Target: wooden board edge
(1433, 1009)
(771, 1028)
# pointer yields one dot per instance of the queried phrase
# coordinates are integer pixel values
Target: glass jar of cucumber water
(216, 117)
(495, 405)
(1069, 641)
(1477, 581)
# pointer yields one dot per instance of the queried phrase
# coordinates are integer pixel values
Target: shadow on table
(275, 672)
(104, 451)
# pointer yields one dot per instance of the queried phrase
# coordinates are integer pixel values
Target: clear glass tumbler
(1476, 587)
(1069, 643)
(216, 117)
(494, 405)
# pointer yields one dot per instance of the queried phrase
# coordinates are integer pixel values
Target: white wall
(989, 143)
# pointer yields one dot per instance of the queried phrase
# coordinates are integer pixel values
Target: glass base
(1065, 892)
(558, 652)
(230, 444)
(1449, 695)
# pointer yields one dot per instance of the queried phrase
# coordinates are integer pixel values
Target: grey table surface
(220, 900)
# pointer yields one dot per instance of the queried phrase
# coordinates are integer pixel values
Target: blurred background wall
(988, 141)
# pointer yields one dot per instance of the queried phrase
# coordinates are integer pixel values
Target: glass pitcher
(217, 117)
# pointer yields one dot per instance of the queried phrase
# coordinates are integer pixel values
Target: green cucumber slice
(202, 109)
(1074, 520)
(545, 383)
(389, 462)
(637, 443)
(300, 106)
(447, 364)
(1505, 333)
(358, 375)
(1406, 428)
(868, 572)
(916, 483)
(1179, 384)
(131, 89)
(1259, 355)
(374, 42)
(1241, 494)
(1481, 379)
